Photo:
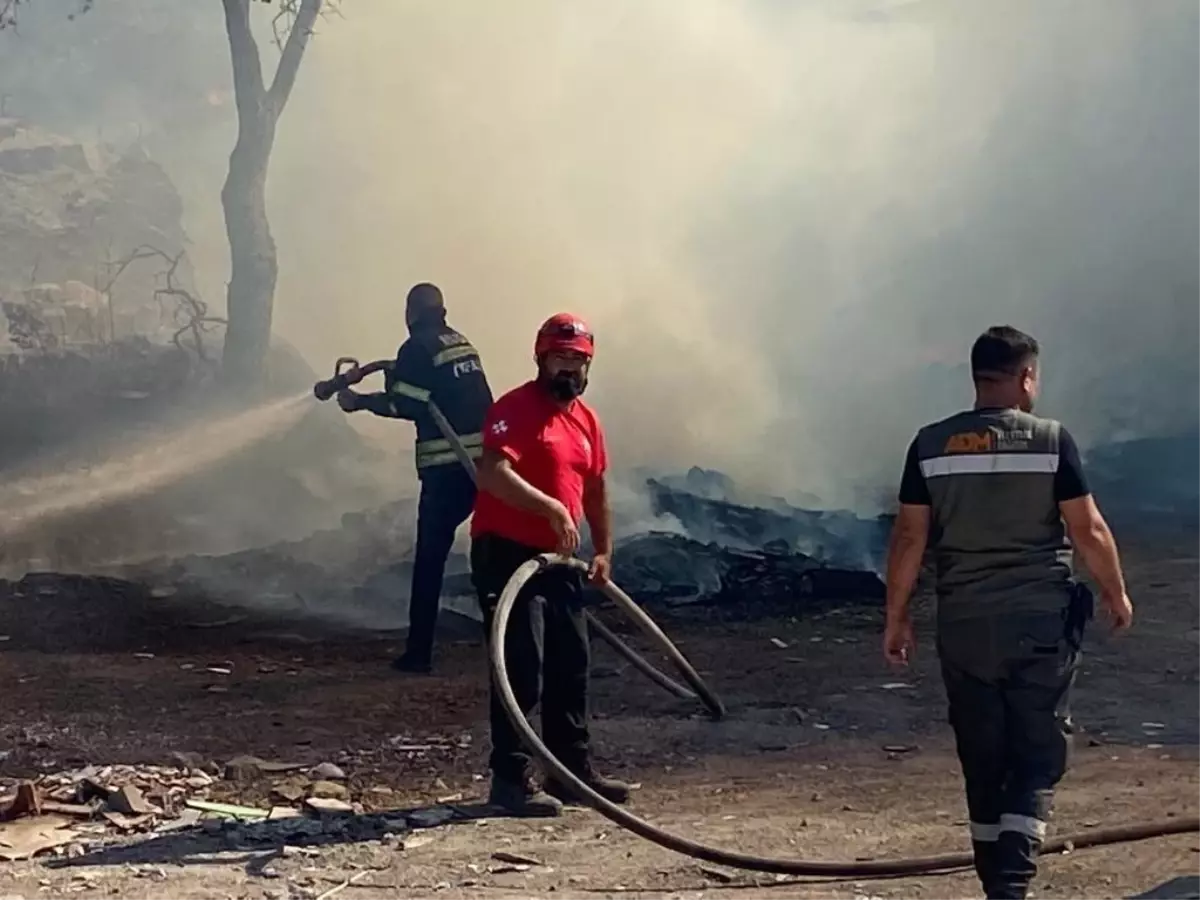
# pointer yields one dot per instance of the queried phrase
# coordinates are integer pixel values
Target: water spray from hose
(31, 502)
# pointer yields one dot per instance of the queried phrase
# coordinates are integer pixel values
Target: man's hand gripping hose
(347, 371)
(883, 868)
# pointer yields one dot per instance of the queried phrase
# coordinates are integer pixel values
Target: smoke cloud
(786, 222)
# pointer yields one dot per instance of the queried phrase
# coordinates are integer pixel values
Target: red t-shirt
(556, 450)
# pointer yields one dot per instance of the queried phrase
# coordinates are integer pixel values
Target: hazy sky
(786, 221)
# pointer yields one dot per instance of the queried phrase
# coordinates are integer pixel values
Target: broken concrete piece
(247, 768)
(76, 810)
(326, 771)
(129, 801)
(328, 806)
(27, 802)
(126, 822)
(283, 812)
(289, 791)
(187, 760)
(328, 789)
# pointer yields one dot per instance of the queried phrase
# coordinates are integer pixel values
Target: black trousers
(447, 498)
(547, 652)
(1008, 681)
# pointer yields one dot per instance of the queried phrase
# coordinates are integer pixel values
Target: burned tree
(259, 104)
(253, 264)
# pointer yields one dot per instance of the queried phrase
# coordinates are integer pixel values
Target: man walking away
(543, 469)
(435, 365)
(990, 490)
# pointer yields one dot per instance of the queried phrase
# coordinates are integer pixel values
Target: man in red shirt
(542, 471)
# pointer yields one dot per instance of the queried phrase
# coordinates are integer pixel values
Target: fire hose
(347, 371)
(880, 868)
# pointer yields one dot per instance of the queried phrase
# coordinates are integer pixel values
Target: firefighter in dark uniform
(995, 492)
(435, 365)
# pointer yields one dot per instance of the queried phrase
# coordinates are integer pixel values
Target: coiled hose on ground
(882, 868)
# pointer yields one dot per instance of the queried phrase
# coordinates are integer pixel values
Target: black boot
(1016, 865)
(522, 798)
(412, 664)
(985, 866)
(609, 788)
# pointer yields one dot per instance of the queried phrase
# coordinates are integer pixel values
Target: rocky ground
(825, 754)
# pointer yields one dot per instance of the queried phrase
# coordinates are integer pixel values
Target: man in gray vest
(995, 492)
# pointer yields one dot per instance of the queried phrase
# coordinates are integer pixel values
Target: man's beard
(565, 386)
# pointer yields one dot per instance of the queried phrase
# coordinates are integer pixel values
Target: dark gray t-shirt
(993, 479)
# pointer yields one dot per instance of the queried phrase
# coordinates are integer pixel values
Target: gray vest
(998, 541)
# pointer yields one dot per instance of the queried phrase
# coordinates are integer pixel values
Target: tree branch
(293, 52)
(248, 89)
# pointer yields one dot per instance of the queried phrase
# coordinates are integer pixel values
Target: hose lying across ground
(882, 868)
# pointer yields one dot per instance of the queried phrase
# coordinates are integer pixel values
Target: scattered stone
(289, 791)
(248, 768)
(283, 812)
(328, 789)
(27, 802)
(517, 859)
(782, 645)
(328, 806)
(143, 656)
(130, 801)
(184, 760)
(125, 822)
(716, 874)
(326, 771)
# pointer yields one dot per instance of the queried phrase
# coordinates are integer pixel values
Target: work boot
(609, 788)
(522, 798)
(413, 665)
(1016, 866)
(985, 866)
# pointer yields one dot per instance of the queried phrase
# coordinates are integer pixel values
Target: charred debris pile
(691, 547)
(729, 548)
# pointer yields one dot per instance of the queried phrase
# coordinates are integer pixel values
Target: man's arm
(406, 391)
(596, 508)
(1089, 533)
(598, 513)
(910, 534)
(498, 478)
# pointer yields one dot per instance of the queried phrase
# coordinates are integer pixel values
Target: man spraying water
(437, 366)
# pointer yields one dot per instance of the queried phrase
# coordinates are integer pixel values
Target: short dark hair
(425, 302)
(1001, 351)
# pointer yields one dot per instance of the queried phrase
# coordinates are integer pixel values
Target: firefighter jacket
(436, 365)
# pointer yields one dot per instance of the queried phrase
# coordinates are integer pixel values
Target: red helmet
(564, 333)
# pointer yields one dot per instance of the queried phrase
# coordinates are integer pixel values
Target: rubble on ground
(73, 812)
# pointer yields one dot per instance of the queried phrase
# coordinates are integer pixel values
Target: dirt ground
(798, 769)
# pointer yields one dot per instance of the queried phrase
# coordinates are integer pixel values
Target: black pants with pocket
(1008, 681)
(447, 497)
(547, 653)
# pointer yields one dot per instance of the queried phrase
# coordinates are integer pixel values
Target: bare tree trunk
(253, 264)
